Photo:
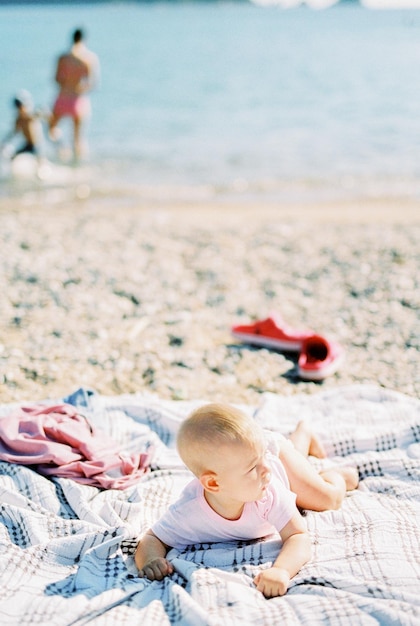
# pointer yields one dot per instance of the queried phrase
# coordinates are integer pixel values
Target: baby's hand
(156, 569)
(272, 582)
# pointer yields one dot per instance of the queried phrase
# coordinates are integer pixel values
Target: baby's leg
(306, 442)
(316, 491)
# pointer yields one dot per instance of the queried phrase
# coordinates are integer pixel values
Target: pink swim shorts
(72, 106)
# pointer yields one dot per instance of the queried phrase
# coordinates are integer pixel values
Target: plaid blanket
(66, 549)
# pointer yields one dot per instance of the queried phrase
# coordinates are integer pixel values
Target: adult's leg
(80, 147)
(77, 128)
(53, 132)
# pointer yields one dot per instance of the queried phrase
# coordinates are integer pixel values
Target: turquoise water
(214, 100)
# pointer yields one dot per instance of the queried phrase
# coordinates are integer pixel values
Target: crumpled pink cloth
(59, 441)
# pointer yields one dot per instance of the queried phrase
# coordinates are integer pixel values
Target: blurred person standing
(77, 73)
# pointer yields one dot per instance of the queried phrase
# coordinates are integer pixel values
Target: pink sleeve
(282, 505)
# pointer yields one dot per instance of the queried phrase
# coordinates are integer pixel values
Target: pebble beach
(140, 298)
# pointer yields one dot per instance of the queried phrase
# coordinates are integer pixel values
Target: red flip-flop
(272, 332)
(319, 358)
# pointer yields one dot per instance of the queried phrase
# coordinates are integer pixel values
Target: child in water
(27, 124)
(243, 491)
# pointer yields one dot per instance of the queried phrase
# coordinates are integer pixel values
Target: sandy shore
(132, 299)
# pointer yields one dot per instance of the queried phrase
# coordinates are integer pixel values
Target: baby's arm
(151, 559)
(295, 552)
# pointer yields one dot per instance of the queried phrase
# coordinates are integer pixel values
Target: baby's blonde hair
(211, 427)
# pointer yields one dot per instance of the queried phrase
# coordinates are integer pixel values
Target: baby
(243, 492)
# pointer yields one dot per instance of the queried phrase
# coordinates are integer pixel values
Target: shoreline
(359, 210)
(141, 298)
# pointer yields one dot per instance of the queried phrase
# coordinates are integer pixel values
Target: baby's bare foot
(306, 442)
(316, 448)
(350, 475)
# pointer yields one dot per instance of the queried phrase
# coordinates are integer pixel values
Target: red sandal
(319, 358)
(272, 332)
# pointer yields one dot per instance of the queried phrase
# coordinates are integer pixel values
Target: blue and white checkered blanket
(66, 549)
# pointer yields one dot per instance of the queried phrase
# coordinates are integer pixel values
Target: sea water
(222, 100)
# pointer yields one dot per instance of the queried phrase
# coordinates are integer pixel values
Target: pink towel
(58, 441)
